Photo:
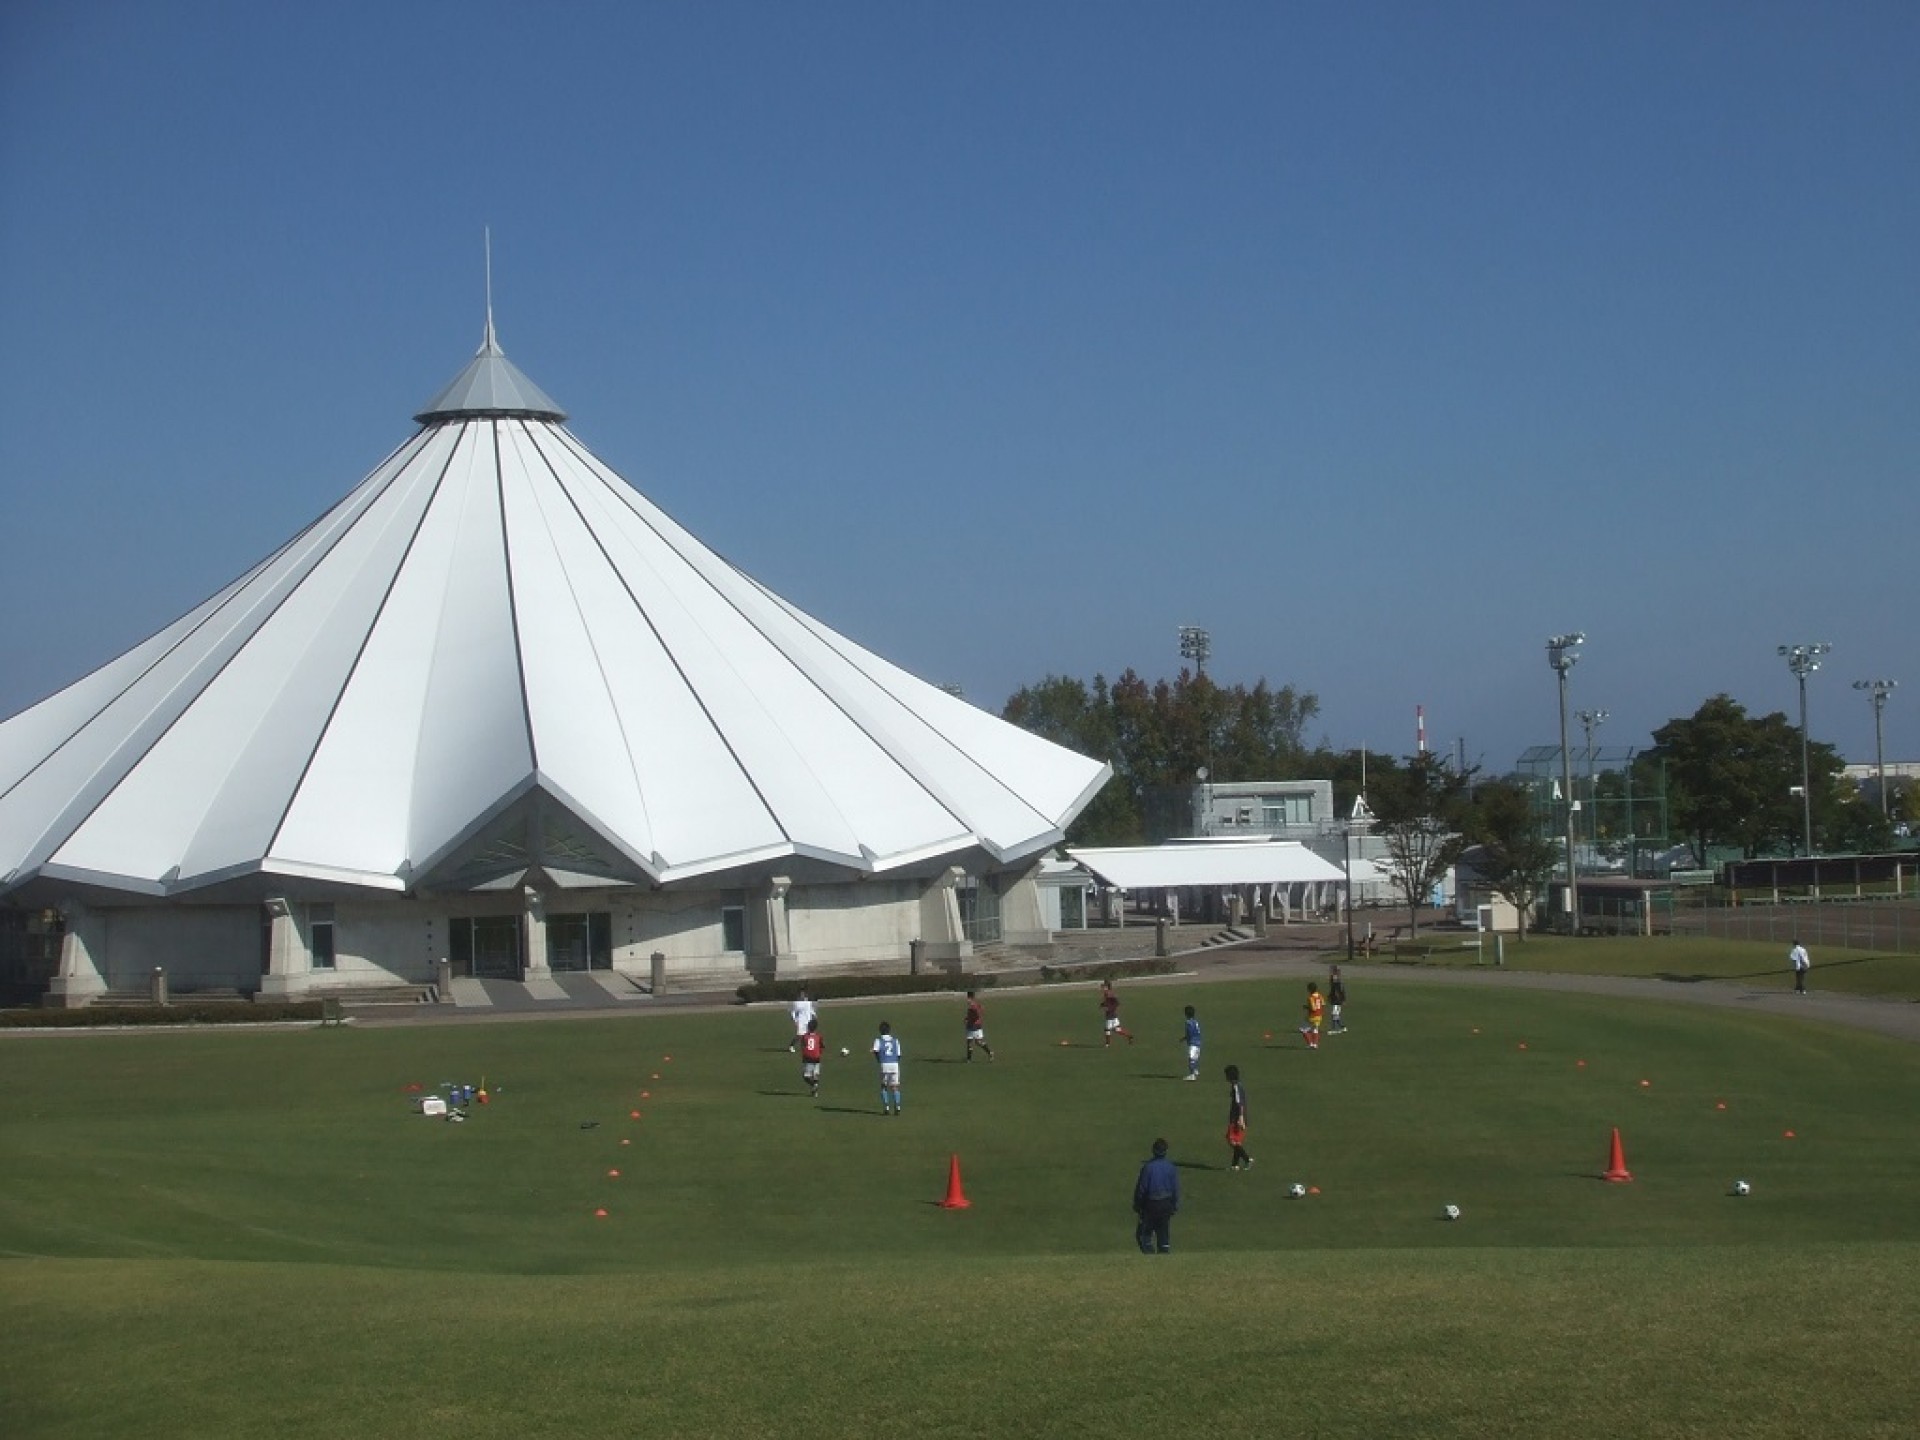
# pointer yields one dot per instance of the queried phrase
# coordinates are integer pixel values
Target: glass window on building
(733, 929)
(487, 947)
(580, 942)
(320, 936)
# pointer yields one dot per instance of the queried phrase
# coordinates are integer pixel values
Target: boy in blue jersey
(886, 1054)
(1193, 1045)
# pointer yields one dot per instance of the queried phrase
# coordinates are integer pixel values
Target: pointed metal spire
(491, 386)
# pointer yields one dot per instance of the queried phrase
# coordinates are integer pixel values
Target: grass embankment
(243, 1234)
(1759, 964)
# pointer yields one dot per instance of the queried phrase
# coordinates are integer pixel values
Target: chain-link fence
(1886, 925)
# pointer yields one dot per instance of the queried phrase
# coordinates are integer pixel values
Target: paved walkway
(1298, 952)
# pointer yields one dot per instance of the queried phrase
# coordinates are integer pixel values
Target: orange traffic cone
(1617, 1162)
(956, 1197)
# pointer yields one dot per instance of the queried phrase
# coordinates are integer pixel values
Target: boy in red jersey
(1110, 1008)
(813, 1046)
(976, 1028)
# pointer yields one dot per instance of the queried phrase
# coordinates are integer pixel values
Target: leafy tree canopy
(1731, 779)
(1161, 733)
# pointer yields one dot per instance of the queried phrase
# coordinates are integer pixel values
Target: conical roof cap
(492, 386)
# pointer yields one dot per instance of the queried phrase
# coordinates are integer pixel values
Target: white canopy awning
(1155, 867)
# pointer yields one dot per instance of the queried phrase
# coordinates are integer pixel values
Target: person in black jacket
(1336, 1001)
(1156, 1200)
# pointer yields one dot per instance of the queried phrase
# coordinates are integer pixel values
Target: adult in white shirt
(1797, 958)
(802, 1012)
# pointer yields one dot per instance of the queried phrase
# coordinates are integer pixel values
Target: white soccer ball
(845, 1051)
(1296, 1190)
(1741, 1187)
(1452, 1212)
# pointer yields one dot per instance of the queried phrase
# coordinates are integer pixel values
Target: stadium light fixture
(1878, 691)
(1563, 653)
(1590, 721)
(1803, 660)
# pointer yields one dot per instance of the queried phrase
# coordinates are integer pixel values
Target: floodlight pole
(1803, 660)
(1591, 720)
(1563, 653)
(1877, 691)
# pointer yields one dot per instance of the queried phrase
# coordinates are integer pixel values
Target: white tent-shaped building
(495, 709)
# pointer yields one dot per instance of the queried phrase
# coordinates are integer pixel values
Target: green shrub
(186, 1012)
(858, 987)
(1111, 970)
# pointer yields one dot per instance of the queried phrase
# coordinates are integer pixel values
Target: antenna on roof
(487, 232)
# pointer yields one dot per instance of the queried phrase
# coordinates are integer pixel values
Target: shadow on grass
(1772, 972)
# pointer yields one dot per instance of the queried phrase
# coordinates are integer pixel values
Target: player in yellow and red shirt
(1316, 1012)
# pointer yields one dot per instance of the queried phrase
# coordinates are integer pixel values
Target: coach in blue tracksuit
(1156, 1200)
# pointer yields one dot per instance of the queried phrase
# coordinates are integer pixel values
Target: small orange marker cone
(1063, 1044)
(613, 1174)
(1646, 1084)
(667, 1058)
(656, 1074)
(633, 1114)
(1523, 1044)
(625, 1141)
(646, 1094)
(1269, 1035)
(956, 1197)
(1313, 1189)
(1617, 1171)
(1719, 1104)
(1579, 1064)
(1788, 1135)
(599, 1214)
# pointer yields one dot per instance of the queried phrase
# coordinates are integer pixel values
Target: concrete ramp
(468, 992)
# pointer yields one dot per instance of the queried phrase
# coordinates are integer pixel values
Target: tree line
(1730, 779)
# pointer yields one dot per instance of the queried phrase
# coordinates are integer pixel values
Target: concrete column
(943, 941)
(79, 980)
(1022, 920)
(775, 937)
(533, 933)
(289, 961)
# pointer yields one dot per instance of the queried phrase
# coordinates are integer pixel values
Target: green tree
(1515, 857)
(1732, 777)
(1161, 733)
(1419, 812)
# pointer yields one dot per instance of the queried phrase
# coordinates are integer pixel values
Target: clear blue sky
(1383, 340)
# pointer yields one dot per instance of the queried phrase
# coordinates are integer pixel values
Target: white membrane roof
(1231, 862)
(492, 654)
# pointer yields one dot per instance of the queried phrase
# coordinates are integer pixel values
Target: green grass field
(253, 1233)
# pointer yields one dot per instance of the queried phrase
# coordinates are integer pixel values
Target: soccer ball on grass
(1452, 1212)
(845, 1051)
(1296, 1190)
(1741, 1187)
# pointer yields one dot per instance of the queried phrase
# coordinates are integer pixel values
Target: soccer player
(886, 1054)
(976, 1029)
(813, 1045)
(1156, 1200)
(1797, 958)
(1336, 1001)
(1193, 1045)
(1110, 1008)
(1316, 1012)
(801, 1011)
(1237, 1120)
